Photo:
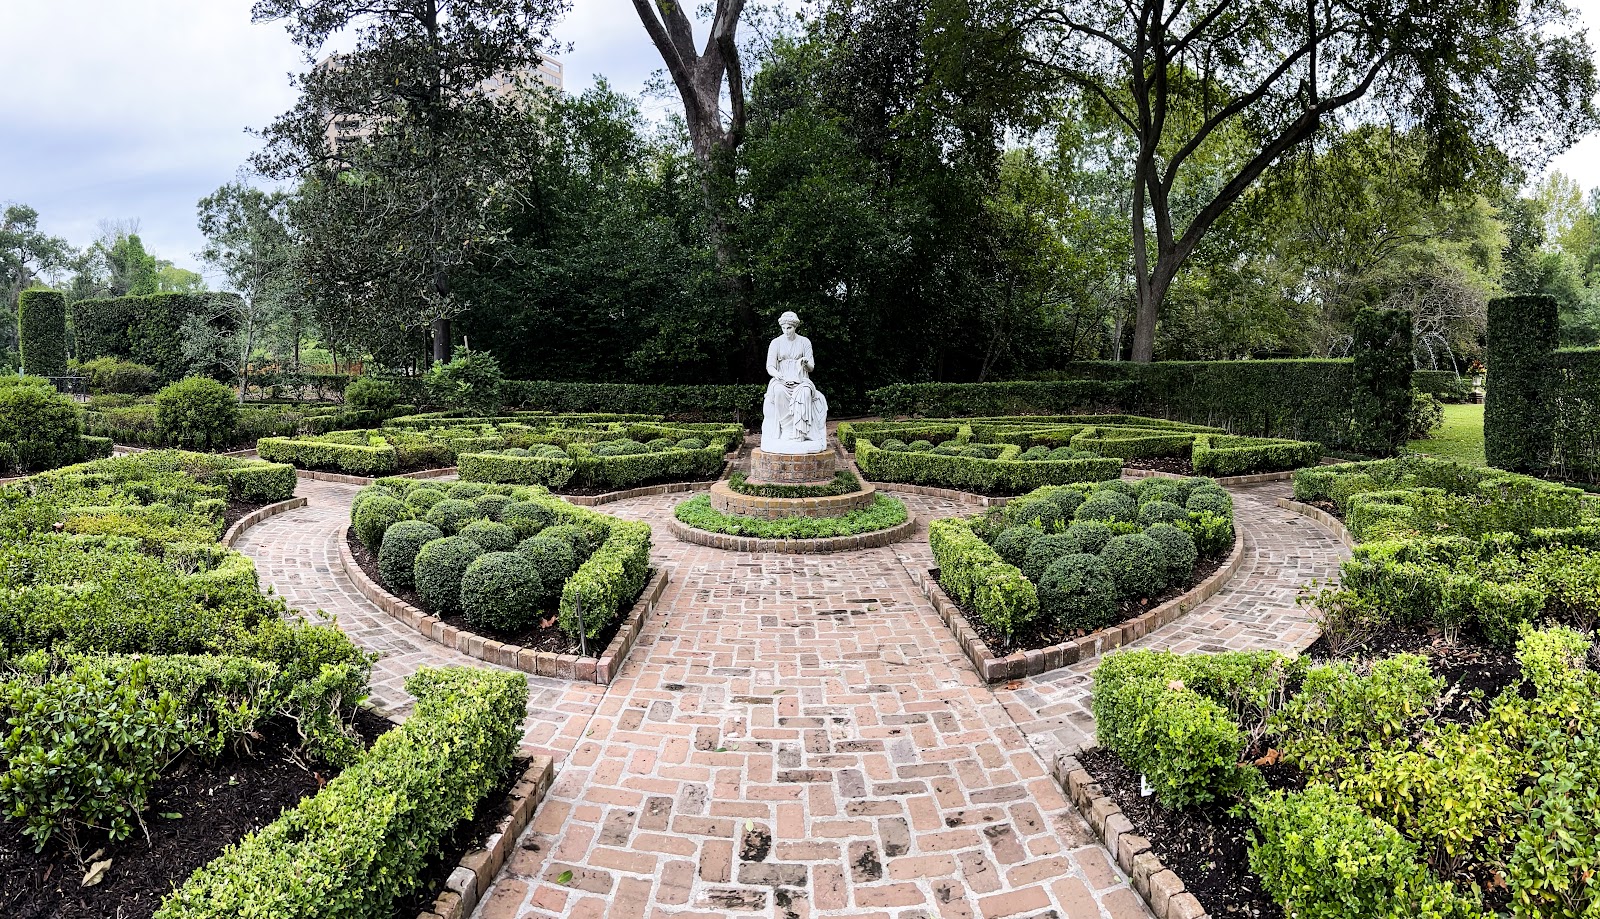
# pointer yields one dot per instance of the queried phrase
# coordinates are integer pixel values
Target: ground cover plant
(512, 562)
(603, 456)
(884, 512)
(1067, 560)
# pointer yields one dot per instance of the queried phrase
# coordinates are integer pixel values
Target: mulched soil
(540, 638)
(1177, 465)
(1041, 634)
(236, 510)
(219, 803)
(1208, 849)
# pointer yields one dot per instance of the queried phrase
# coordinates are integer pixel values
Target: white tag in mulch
(1145, 788)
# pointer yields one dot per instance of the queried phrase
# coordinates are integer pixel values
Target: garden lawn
(1461, 437)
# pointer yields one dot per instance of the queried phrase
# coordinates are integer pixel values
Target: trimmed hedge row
(1444, 385)
(740, 403)
(1519, 407)
(1015, 398)
(1225, 455)
(587, 465)
(146, 329)
(978, 579)
(1003, 475)
(42, 332)
(360, 844)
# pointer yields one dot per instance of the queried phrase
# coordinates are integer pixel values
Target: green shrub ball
(1118, 487)
(438, 570)
(573, 536)
(365, 394)
(492, 536)
(1160, 512)
(197, 412)
(1030, 508)
(377, 515)
(1013, 544)
(1178, 551)
(1063, 453)
(1068, 499)
(452, 514)
(1107, 507)
(492, 506)
(1136, 563)
(466, 491)
(41, 426)
(502, 591)
(660, 444)
(368, 493)
(423, 499)
(1034, 454)
(919, 446)
(1077, 591)
(1217, 502)
(397, 558)
(1088, 536)
(554, 558)
(526, 517)
(1044, 550)
(690, 443)
(1160, 489)
(893, 445)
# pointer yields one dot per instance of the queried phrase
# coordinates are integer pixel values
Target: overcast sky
(135, 110)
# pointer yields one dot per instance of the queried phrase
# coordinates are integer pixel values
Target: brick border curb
(1224, 481)
(601, 670)
(1159, 886)
(993, 669)
(256, 516)
(339, 478)
(874, 540)
(643, 491)
(949, 494)
(475, 873)
(728, 501)
(1321, 516)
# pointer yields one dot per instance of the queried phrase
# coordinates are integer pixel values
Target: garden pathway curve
(800, 735)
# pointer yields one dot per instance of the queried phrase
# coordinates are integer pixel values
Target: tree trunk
(441, 340)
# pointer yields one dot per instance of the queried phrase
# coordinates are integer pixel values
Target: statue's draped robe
(795, 417)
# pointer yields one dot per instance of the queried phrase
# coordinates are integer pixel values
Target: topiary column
(1381, 401)
(42, 332)
(1518, 412)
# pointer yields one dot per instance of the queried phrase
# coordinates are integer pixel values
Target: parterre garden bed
(1064, 561)
(147, 677)
(1436, 753)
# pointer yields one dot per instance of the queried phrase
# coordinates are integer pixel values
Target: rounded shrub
(1137, 565)
(1107, 506)
(197, 412)
(114, 375)
(368, 493)
(526, 517)
(1118, 486)
(41, 426)
(492, 506)
(1077, 591)
(1158, 489)
(397, 558)
(660, 444)
(1044, 550)
(366, 394)
(452, 514)
(1013, 543)
(691, 443)
(423, 499)
(1089, 536)
(1031, 508)
(1178, 551)
(1034, 454)
(466, 491)
(495, 537)
(948, 448)
(920, 446)
(1156, 512)
(1068, 499)
(377, 514)
(515, 451)
(438, 569)
(502, 591)
(553, 557)
(893, 445)
(1063, 453)
(572, 535)
(1202, 501)
(974, 452)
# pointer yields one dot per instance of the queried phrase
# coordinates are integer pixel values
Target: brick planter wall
(792, 468)
(728, 501)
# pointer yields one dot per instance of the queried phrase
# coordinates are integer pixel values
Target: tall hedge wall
(142, 329)
(1381, 397)
(1444, 385)
(961, 400)
(1519, 408)
(42, 332)
(739, 402)
(1576, 439)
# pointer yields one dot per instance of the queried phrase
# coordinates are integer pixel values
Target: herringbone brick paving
(800, 735)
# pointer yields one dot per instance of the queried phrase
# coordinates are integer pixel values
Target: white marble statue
(795, 414)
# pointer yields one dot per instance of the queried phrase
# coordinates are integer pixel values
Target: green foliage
(1107, 507)
(526, 517)
(613, 464)
(1137, 564)
(146, 329)
(197, 412)
(397, 556)
(946, 400)
(553, 558)
(1446, 386)
(609, 580)
(978, 579)
(1519, 409)
(1078, 592)
(502, 591)
(844, 482)
(1220, 455)
(375, 516)
(883, 513)
(492, 536)
(371, 394)
(708, 403)
(423, 499)
(451, 514)
(438, 569)
(1381, 395)
(1013, 543)
(1337, 713)
(471, 381)
(493, 506)
(1576, 387)
(1043, 552)
(39, 427)
(42, 332)
(1427, 416)
(361, 843)
(115, 375)
(1178, 551)
(1556, 842)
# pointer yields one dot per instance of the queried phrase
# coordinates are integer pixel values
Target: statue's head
(788, 322)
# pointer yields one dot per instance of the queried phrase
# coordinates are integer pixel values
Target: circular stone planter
(728, 501)
(871, 540)
(792, 468)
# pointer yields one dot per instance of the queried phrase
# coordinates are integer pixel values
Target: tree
(409, 202)
(248, 240)
(1268, 76)
(26, 253)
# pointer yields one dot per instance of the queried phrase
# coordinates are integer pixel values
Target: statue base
(792, 468)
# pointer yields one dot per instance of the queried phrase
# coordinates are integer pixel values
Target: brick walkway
(800, 735)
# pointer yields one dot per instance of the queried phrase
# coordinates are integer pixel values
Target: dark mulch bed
(236, 510)
(1044, 634)
(1177, 465)
(468, 835)
(540, 637)
(219, 802)
(1208, 849)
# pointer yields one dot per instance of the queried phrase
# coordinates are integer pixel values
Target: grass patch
(882, 514)
(1461, 437)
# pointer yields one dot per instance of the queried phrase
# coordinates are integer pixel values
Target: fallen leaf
(749, 825)
(96, 872)
(1014, 685)
(172, 815)
(1497, 882)
(777, 692)
(1270, 758)
(564, 878)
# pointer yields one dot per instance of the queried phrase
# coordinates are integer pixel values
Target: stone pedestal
(792, 468)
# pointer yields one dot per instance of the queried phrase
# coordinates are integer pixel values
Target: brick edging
(475, 873)
(1159, 886)
(339, 478)
(949, 494)
(1257, 478)
(256, 516)
(873, 540)
(992, 668)
(728, 501)
(601, 670)
(1321, 516)
(643, 491)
